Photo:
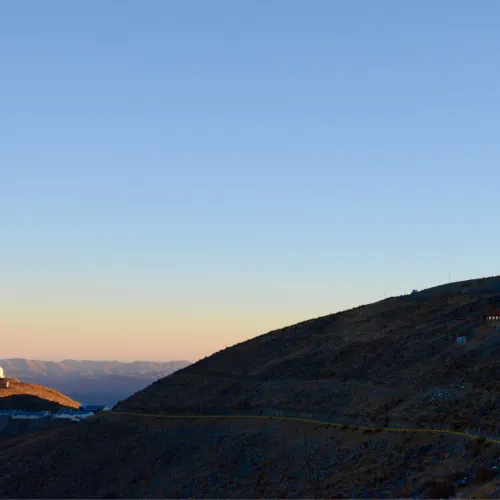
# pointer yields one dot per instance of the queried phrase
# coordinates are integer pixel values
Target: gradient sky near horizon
(179, 176)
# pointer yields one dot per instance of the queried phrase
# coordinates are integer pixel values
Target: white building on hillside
(30, 415)
(4, 383)
(72, 414)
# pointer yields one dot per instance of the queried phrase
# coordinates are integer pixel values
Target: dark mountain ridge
(379, 361)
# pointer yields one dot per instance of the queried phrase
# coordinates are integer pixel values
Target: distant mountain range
(19, 367)
(91, 382)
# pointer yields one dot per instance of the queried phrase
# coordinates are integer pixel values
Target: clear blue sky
(177, 176)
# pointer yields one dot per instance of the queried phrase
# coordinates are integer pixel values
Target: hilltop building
(4, 383)
(492, 318)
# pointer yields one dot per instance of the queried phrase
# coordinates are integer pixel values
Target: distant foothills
(91, 382)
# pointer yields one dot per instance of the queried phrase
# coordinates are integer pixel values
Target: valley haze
(92, 382)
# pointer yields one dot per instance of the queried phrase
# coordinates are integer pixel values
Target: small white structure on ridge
(4, 383)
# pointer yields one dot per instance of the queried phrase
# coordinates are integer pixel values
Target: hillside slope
(111, 457)
(394, 360)
(18, 394)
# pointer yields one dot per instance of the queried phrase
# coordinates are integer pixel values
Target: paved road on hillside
(311, 420)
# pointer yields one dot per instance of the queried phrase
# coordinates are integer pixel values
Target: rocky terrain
(114, 457)
(396, 360)
(28, 402)
(392, 363)
(33, 397)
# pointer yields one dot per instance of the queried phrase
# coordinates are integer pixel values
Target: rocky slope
(393, 361)
(32, 396)
(114, 457)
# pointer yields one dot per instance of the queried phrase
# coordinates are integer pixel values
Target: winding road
(492, 439)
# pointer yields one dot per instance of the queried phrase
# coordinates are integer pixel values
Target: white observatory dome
(1, 372)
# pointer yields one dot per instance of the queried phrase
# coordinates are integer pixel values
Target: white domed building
(4, 383)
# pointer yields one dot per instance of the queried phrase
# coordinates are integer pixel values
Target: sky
(179, 176)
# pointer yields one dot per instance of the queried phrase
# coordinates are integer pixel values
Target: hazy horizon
(177, 177)
(131, 360)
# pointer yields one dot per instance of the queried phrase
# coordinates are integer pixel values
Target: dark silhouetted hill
(395, 360)
(29, 402)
